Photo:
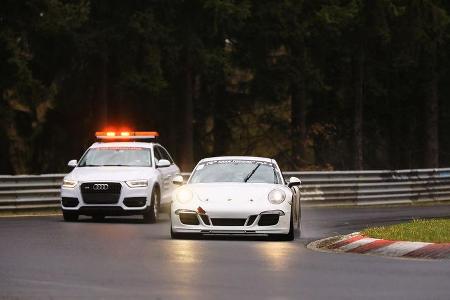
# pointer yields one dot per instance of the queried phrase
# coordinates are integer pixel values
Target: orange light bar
(126, 134)
(147, 133)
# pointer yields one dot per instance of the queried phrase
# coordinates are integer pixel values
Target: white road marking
(356, 244)
(399, 248)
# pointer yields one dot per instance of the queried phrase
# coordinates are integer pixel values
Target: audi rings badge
(100, 187)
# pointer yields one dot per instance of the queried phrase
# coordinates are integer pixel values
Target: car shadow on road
(231, 237)
(118, 220)
(110, 220)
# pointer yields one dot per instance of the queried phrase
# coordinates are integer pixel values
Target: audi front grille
(101, 192)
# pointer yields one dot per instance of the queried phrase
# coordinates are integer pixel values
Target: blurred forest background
(315, 84)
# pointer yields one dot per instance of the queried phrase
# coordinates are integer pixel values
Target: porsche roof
(256, 158)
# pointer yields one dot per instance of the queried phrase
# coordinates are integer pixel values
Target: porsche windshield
(117, 156)
(235, 171)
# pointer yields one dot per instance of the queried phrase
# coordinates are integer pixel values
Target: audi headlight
(137, 183)
(276, 196)
(183, 196)
(68, 183)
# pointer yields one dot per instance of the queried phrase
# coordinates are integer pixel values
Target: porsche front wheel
(286, 237)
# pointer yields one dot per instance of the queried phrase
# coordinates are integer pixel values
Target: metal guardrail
(338, 188)
(329, 188)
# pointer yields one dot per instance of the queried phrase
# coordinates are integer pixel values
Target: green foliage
(33, 72)
(271, 78)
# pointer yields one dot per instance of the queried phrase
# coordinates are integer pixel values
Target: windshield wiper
(251, 173)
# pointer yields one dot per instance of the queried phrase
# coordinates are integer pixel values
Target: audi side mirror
(178, 180)
(162, 163)
(73, 163)
(294, 181)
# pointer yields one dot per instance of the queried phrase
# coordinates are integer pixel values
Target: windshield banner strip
(238, 161)
(119, 148)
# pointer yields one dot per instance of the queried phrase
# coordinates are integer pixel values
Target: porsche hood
(222, 192)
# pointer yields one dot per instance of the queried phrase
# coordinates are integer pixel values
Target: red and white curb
(358, 243)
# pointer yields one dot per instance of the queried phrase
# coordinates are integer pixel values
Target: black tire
(98, 218)
(181, 236)
(175, 235)
(298, 230)
(290, 236)
(70, 216)
(152, 214)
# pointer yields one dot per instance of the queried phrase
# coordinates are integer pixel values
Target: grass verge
(430, 230)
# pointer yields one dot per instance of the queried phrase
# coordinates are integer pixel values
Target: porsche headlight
(183, 196)
(276, 196)
(68, 183)
(137, 183)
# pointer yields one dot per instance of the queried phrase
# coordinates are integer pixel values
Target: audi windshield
(235, 171)
(117, 156)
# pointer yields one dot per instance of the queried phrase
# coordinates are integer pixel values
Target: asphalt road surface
(46, 258)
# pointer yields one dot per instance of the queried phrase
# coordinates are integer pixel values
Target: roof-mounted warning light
(126, 135)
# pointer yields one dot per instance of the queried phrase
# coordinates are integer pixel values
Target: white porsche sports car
(236, 195)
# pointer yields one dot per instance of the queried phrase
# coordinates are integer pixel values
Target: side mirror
(162, 163)
(178, 180)
(294, 181)
(73, 163)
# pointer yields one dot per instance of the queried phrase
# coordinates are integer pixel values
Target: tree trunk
(221, 131)
(432, 114)
(298, 124)
(393, 130)
(102, 104)
(298, 111)
(358, 86)
(19, 153)
(200, 115)
(173, 127)
(187, 138)
(19, 150)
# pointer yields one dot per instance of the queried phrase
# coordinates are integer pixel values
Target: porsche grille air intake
(189, 218)
(268, 219)
(251, 219)
(227, 222)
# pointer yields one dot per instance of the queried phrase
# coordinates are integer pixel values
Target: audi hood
(86, 174)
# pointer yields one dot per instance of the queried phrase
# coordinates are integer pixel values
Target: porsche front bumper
(271, 221)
